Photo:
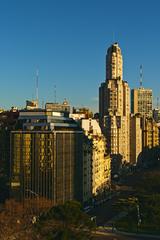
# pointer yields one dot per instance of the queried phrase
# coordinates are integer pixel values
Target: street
(114, 236)
(105, 212)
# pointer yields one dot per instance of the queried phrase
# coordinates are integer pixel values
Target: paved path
(119, 236)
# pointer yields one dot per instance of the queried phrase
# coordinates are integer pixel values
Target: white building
(96, 161)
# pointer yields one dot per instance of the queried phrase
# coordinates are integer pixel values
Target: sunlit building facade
(150, 133)
(114, 105)
(96, 160)
(141, 101)
(58, 107)
(135, 138)
(46, 158)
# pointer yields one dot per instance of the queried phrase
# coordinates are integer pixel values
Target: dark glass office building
(46, 157)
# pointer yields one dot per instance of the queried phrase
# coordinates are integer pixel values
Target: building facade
(135, 138)
(46, 157)
(96, 160)
(141, 101)
(156, 115)
(58, 107)
(114, 105)
(80, 113)
(150, 133)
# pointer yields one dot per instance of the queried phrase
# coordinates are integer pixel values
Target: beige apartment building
(141, 101)
(114, 105)
(87, 169)
(150, 133)
(141, 106)
(135, 138)
(97, 169)
(100, 165)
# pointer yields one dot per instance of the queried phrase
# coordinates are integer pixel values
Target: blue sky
(67, 41)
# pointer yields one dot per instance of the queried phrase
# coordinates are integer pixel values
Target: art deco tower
(114, 104)
(114, 63)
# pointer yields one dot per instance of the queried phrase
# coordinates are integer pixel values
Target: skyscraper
(114, 63)
(114, 105)
(141, 101)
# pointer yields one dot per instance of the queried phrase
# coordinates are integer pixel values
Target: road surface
(114, 236)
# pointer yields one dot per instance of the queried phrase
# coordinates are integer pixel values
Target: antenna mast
(157, 102)
(55, 94)
(42, 104)
(37, 79)
(141, 75)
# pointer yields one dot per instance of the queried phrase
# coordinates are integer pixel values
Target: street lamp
(135, 201)
(93, 219)
(29, 190)
(139, 220)
(34, 218)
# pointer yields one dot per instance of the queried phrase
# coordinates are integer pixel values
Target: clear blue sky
(67, 41)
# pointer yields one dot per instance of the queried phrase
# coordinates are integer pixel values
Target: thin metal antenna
(37, 79)
(141, 75)
(55, 94)
(157, 102)
(42, 104)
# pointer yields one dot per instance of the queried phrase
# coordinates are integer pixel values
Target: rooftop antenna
(55, 94)
(37, 79)
(157, 102)
(42, 104)
(141, 75)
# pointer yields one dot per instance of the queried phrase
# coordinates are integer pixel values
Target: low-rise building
(58, 107)
(31, 104)
(81, 113)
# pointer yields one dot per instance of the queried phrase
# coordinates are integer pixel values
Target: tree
(149, 157)
(65, 222)
(17, 219)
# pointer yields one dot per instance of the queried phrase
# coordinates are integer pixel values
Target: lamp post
(135, 201)
(37, 197)
(29, 190)
(139, 220)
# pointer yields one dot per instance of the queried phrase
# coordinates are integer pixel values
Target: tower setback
(114, 105)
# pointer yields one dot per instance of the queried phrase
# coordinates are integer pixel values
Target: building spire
(114, 63)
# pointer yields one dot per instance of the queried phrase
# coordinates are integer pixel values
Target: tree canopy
(65, 222)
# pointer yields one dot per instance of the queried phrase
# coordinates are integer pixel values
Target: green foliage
(145, 203)
(65, 222)
(150, 205)
(149, 184)
(149, 157)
